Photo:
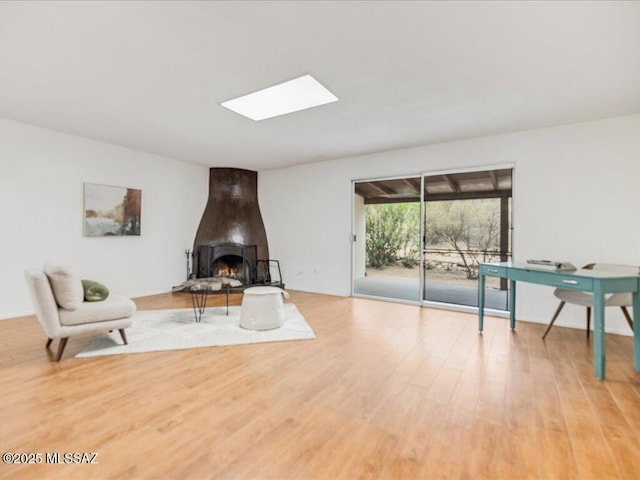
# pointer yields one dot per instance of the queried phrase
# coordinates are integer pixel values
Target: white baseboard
(7, 316)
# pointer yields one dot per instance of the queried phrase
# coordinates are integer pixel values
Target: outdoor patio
(408, 289)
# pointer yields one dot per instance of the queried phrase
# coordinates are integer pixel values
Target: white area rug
(155, 330)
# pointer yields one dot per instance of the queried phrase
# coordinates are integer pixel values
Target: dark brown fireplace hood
(232, 214)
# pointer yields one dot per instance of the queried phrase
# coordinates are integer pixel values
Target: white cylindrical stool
(262, 308)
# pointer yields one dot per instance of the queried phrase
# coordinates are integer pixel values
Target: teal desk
(597, 282)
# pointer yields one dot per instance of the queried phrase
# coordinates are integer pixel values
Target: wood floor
(386, 391)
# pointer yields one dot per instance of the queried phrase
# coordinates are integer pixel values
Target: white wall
(575, 198)
(41, 202)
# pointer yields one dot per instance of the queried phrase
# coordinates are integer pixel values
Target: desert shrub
(393, 232)
(409, 262)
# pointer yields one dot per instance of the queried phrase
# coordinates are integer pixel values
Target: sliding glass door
(386, 246)
(467, 220)
(420, 238)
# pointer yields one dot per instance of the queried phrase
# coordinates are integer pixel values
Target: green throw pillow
(94, 291)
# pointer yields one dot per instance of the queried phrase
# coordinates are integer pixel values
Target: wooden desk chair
(622, 300)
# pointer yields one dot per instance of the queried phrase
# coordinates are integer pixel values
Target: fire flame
(226, 272)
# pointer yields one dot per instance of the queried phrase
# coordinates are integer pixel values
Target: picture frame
(111, 211)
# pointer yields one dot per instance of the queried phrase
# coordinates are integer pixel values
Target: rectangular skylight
(292, 96)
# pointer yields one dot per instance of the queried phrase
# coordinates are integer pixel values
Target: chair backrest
(44, 301)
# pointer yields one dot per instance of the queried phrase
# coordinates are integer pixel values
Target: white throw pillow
(66, 286)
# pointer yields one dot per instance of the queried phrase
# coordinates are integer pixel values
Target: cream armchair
(63, 313)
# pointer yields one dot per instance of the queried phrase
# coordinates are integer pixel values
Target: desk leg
(636, 327)
(481, 301)
(512, 304)
(598, 330)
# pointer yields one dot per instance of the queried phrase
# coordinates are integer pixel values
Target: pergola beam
(494, 179)
(438, 197)
(381, 188)
(452, 183)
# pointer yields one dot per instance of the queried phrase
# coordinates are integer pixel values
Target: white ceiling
(151, 75)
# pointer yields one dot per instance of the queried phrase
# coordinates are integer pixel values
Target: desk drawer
(570, 282)
(494, 271)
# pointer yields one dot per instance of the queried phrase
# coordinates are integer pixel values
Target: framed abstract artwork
(111, 211)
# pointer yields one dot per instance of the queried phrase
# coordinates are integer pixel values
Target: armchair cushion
(94, 291)
(66, 286)
(113, 308)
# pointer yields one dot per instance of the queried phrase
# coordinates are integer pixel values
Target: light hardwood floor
(385, 391)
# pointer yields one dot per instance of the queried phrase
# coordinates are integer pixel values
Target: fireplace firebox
(230, 260)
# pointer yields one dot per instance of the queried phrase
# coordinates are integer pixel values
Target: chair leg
(627, 316)
(588, 321)
(49, 340)
(555, 315)
(61, 345)
(124, 337)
